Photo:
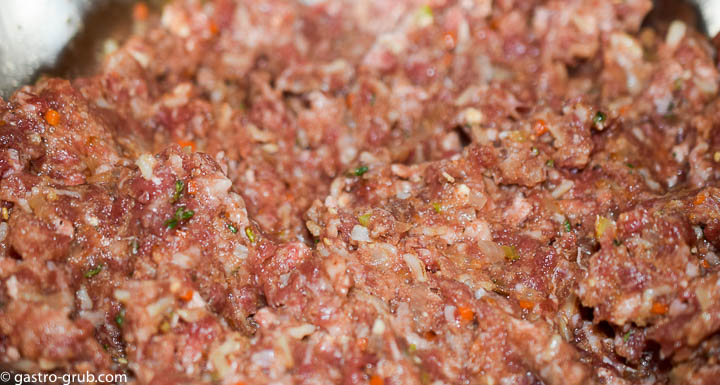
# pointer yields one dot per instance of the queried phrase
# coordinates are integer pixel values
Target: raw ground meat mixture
(370, 192)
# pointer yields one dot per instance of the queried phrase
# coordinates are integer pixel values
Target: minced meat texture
(370, 192)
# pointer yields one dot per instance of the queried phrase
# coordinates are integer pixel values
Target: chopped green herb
(250, 234)
(627, 335)
(135, 246)
(360, 170)
(437, 207)
(94, 272)
(599, 118)
(534, 150)
(232, 228)
(186, 214)
(567, 226)
(617, 242)
(424, 16)
(412, 348)
(171, 223)
(550, 163)
(630, 165)
(122, 360)
(678, 84)
(179, 186)
(181, 214)
(120, 318)
(364, 219)
(511, 253)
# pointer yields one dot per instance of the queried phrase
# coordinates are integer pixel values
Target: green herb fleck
(250, 234)
(120, 318)
(232, 228)
(511, 253)
(437, 207)
(122, 360)
(171, 223)
(617, 242)
(360, 171)
(567, 226)
(94, 272)
(135, 246)
(534, 150)
(627, 335)
(424, 16)
(179, 186)
(412, 348)
(186, 214)
(599, 118)
(678, 84)
(181, 214)
(630, 165)
(364, 219)
(550, 163)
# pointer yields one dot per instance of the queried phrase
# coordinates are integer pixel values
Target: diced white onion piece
(417, 268)
(299, 332)
(360, 234)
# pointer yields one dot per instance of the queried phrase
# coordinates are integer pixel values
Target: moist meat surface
(382, 192)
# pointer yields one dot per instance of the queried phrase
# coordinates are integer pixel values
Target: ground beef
(405, 192)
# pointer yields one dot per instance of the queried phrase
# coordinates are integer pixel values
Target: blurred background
(67, 37)
(61, 37)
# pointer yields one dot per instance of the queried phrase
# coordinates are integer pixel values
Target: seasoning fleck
(360, 170)
(93, 272)
(250, 234)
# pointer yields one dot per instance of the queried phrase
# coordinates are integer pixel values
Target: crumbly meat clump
(382, 192)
